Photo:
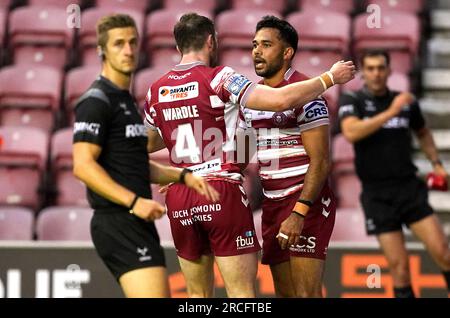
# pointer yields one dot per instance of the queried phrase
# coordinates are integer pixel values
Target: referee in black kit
(379, 123)
(110, 157)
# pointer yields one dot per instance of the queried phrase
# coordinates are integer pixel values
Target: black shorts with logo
(387, 208)
(125, 242)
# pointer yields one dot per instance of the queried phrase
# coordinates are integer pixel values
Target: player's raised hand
(400, 101)
(343, 72)
(202, 187)
(148, 210)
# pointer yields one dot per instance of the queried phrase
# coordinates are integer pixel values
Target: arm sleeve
(231, 86)
(91, 121)
(313, 114)
(149, 112)
(417, 120)
(348, 106)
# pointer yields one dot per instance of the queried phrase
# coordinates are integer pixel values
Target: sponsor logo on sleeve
(84, 127)
(235, 84)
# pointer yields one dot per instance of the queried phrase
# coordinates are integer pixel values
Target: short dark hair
(287, 32)
(373, 53)
(192, 31)
(112, 22)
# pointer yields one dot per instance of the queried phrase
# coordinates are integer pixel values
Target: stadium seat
(143, 81)
(191, 5)
(397, 81)
(2, 32)
(16, 224)
(29, 95)
(348, 189)
(69, 190)
(236, 28)
(64, 224)
(342, 6)
(164, 58)
(63, 4)
(342, 151)
(399, 33)
(159, 25)
(87, 37)
(350, 227)
(4, 4)
(411, 6)
(324, 30)
(23, 157)
(39, 35)
(78, 80)
(237, 58)
(138, 5)
(270, 5)
(314, 63)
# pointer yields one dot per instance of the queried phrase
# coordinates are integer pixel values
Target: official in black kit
(111, 158)
(380, 122)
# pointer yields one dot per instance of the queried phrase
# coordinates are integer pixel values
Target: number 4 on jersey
(186, 146)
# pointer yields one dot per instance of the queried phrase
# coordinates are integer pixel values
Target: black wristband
(306, 202)
(183, 175)
(136, 197)
(299, 214)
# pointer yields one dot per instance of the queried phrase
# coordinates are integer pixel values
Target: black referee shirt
(108, 116)
(384, 157)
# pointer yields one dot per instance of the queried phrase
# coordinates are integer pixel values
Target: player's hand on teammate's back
(400, 101)
(148, 210)
(343, 72)
(292, 228)
(202, 187)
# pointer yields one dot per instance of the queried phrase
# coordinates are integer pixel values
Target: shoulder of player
(296, 76)
(97, 94)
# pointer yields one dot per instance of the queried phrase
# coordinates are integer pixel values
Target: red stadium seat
(63, 4)
(237, 58)
(143, 82)
(314, 63)
(348, 188)
(398, 32)
(87, 37)
(29, 95)
(164, 58)
(342, 6)
(322, 30)
(412, 6)
(23, 157)
(236, 28)
(342, 150)
(16, 224)
(69, 190)
(2, 31)
(64, 224)
(159, 25)
(138, 5)
(350, 227)
(39, 34)
(397, 81)
(191, 5)
(78, 81)
(271, 5)
(4, 4)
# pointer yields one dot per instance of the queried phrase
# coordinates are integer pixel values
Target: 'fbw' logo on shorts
(245, 241)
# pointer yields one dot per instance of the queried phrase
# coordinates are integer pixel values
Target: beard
(271, 68)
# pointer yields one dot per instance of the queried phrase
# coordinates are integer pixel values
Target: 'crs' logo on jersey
(316, 110)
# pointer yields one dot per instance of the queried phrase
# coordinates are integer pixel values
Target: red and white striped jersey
(195, 109)
(283, 161)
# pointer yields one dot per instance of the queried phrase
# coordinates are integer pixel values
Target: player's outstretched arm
(295, 94)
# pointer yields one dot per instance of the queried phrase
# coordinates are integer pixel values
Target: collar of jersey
(186, 66)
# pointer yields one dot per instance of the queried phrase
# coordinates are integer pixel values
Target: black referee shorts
(387, 208)
(125, 242)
